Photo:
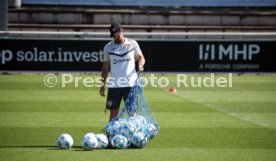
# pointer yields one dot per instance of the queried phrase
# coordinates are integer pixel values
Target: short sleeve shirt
(122, 62)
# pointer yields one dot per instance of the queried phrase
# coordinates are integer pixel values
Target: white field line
(242, 116)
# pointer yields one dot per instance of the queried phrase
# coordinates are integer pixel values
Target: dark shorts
(115, 96)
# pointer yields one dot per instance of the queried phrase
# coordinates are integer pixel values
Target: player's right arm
(105, 70)
(104, 74)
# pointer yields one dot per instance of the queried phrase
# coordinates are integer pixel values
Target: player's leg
(132, 103)
(113, 113)
(125, 92)
(113, 102)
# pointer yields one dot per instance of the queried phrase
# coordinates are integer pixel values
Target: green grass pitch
(197, 124)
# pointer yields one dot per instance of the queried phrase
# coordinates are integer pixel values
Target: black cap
(115, 29)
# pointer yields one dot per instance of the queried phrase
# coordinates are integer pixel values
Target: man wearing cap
(120, 56)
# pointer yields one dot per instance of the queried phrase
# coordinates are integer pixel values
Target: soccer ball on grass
(119, 142)
(65, 141)
(152, 131)
(139, 140)
(89, 141)
(102, 141)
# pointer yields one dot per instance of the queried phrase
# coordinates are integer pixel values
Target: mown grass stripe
(99, 119)
(198, 124)
(243, 138)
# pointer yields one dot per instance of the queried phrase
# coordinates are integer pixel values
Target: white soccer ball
(128, 130)
(139, 140)
(119, 142)
(152, 131)
(102, 141)
(89, 141)
(65, 141)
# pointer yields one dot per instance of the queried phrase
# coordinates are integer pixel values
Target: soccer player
(120, 56)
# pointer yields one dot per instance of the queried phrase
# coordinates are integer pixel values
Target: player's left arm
(141, 61)
(139, 56)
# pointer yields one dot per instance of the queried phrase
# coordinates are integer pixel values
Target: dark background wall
(163, 3)
(161, 56)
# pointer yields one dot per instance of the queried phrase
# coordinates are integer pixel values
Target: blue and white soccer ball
(145, 130)
(119, 142)
(102, 141)
(65, 141)
(122, 121)
(89, 141)
(113, 128)
(141, 119)
(135, 122)
(152, 131)
(128, 130)
(139, 140)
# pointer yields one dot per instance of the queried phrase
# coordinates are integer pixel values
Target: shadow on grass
(79, 149)
(51, 147)
(28, 146)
